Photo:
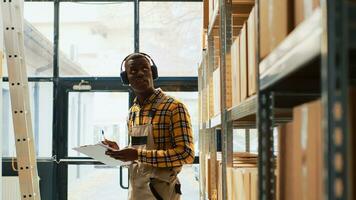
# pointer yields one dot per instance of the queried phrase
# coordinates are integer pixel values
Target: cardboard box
(208, 178)
(229, 181)
(216, 80)
(243, 63)
(254, 184)
(216, 53)
(300, 160)
(206, 14)
(211, 97)
(211, 9)
(285, 161)
(313, 179)
(235, 62)
(243, 183)
(304, 9)
(240, 185)
(265, 34)
(247, 184)
(219, 178)
(204, 103)
(300, 138)
(251, 48)
(212, 175)
(204, 39)
(276, 22)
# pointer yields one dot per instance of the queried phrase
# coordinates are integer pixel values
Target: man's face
(139, 74)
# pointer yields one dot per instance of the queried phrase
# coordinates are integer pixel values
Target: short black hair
(135, 56)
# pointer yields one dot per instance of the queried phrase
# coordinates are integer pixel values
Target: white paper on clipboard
(97, 152)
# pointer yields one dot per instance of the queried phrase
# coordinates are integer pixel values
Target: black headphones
(123, 74)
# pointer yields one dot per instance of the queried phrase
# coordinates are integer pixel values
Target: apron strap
(154, 191)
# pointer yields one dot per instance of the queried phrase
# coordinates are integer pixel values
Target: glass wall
(171, 33)
(95, 37)
(38, 35)
(95, 183)
(41, 94)
(89, 113)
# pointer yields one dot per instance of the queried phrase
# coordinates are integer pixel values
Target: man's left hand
(129, 154)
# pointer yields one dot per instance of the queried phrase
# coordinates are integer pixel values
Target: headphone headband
(140, 53)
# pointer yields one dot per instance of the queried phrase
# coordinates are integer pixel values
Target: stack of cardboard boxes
(242, 183)
(300, 161)
(278, 18)
(301, 151)
(243, 62)
(242, 177)
(304, 9)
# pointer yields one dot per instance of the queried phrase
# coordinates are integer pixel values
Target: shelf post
(247, 140)
(334, 80)
(225, 57)
(266, 174)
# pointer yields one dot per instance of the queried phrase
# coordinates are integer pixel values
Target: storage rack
(316, 60)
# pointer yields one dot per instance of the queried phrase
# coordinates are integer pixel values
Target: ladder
(13, 20)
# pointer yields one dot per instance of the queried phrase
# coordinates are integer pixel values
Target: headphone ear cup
(154, 72)
(124, 78)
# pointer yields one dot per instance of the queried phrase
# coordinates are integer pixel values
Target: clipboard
(97, 151)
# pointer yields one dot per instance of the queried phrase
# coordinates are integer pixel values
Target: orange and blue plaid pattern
(172, 131)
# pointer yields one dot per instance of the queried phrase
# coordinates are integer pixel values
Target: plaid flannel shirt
(172, 131)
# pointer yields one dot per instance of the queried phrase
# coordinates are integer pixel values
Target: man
(160, 133)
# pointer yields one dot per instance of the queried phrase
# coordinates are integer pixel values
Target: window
(41, 96)
(95, 38)
(91, 112)
(171, 33)
(95, 183)
(239, 140)
(38, 39)
(189, 178)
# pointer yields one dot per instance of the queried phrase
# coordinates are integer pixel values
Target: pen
(102, 133)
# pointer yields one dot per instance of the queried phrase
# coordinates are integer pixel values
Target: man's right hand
(111, 144)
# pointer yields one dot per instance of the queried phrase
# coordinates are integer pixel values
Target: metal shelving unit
(312, 62)
(223, 24)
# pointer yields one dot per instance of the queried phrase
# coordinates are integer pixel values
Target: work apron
(147, 182)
